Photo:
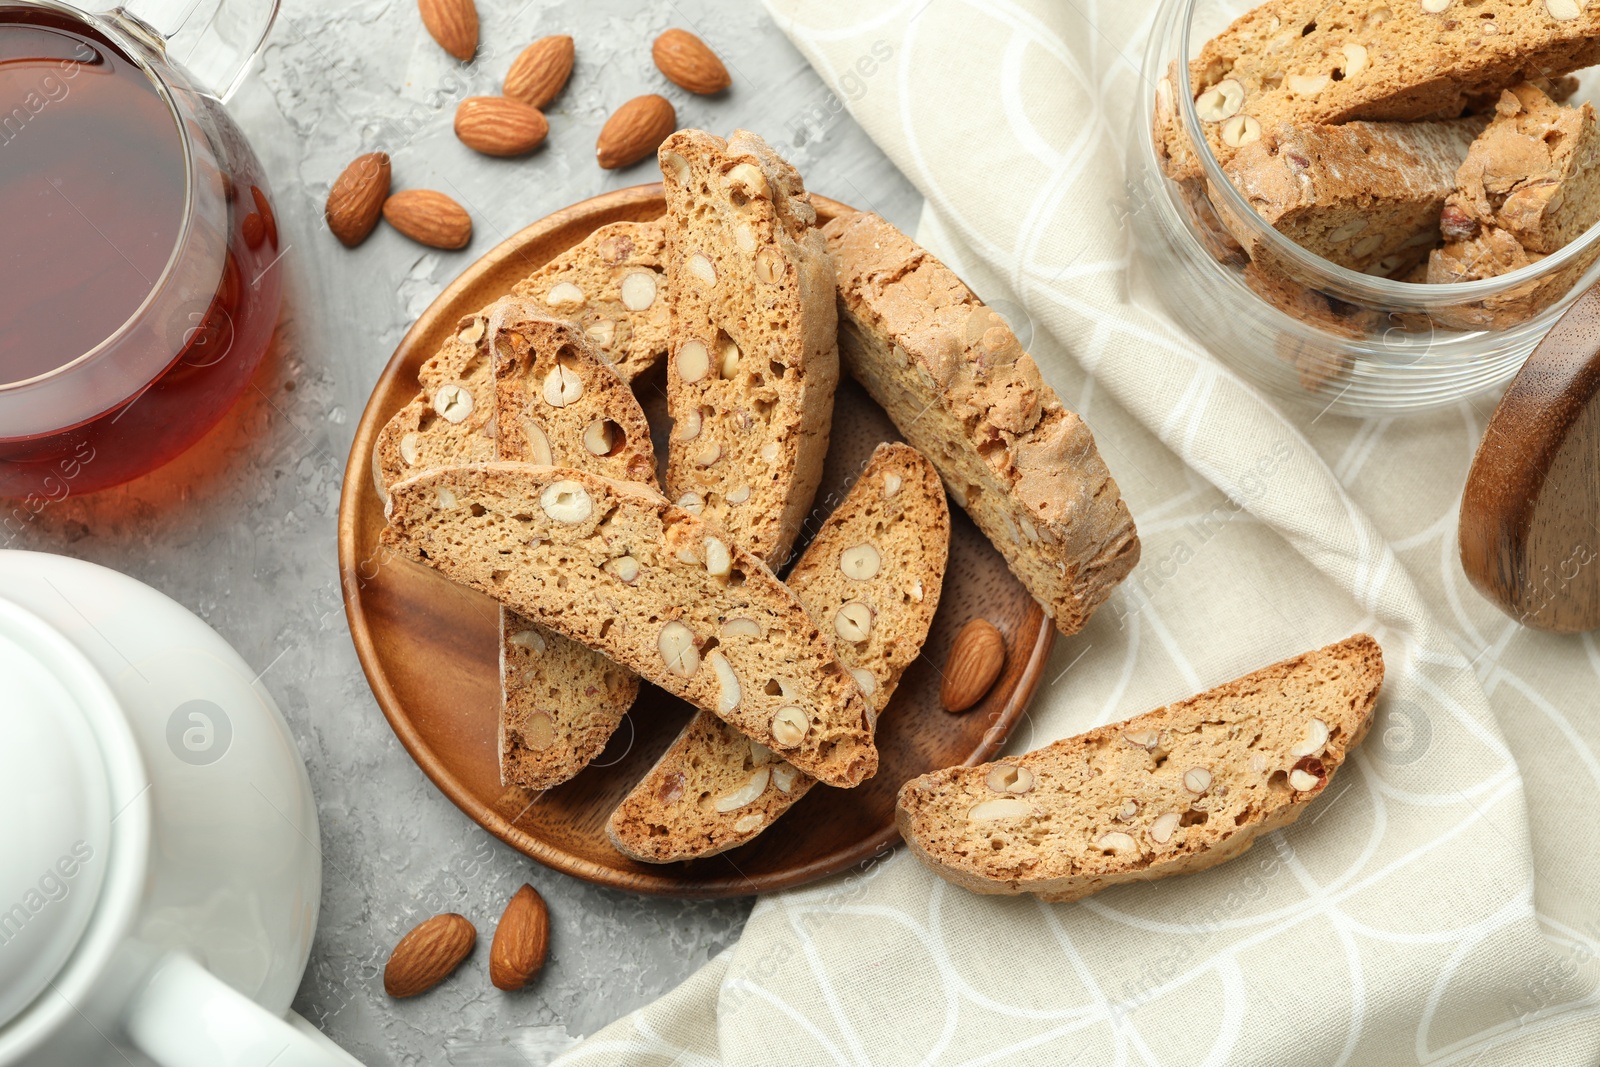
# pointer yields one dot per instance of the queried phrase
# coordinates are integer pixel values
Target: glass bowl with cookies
(1373, 206)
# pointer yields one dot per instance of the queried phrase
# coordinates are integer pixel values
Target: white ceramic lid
(55, 808)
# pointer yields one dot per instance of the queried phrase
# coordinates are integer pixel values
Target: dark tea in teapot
(138, 274)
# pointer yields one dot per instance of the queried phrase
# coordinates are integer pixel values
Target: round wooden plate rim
(356, 482)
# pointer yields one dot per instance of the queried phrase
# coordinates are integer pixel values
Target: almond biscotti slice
(451, 420)
(1176, 790)
(560, 703)
(952, 376)
(613, 285)
(872, 578)
(1312, 61)
(754, 338)
(1534, 173)
(1365, 195)
(1488, 253)
(557, 403)
(614, 566)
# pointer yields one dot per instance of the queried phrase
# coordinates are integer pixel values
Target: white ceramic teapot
(159, 872)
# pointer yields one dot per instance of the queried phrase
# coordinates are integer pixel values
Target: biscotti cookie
(955, 381)
(1491, 253)
(613, 285)
(1312, 61)
(557, 403)
(871, 577)
(1366, 195)
(755, 354)
(560, 700)
(1533, 173)
(1176, 790)
(560, 703)
(1488, 253)
(451, 417)
(614, 566)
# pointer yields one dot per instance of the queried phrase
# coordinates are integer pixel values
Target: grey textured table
(241, 530)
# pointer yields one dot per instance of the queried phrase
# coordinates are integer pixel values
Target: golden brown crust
(960, 388)
(1176, 790)
(1533, 174)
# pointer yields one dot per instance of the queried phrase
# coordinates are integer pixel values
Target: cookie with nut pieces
(1176, 790)
(561, 702)
(754, 347)
(871, 577)
(1311, 61)
(556, 403)
(612, 284)
(451, 418)
(616, 567)
(1529, 186)
(1365, 195)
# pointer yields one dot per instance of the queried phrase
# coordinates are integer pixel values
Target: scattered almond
(687, 61)
(975, 661)
(268, 219)
(254, 230)
(500, 126)
(429, 218)
(520, 941)
(427, 955)
(635, 130)
(540, 72)
(356, 200)
(453, 23)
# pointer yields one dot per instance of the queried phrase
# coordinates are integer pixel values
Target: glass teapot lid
(56, 805)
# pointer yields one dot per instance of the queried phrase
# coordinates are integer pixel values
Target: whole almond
(268, 218)
(356, 200)
(520, 941)
(428, 217)
(635, 130)
(499, 125)
(688, 61)
(453, 23)
(427, 955)
(975, 661)
(254, 231)
(539, 73)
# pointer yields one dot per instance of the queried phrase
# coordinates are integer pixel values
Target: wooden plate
(429, 647)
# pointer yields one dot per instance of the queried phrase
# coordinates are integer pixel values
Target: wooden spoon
(1530, 516)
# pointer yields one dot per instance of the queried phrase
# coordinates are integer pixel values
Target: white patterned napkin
(1437, 906)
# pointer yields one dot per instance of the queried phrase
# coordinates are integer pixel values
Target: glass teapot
(139, 273)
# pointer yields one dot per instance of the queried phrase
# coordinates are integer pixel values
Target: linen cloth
(1436, 906)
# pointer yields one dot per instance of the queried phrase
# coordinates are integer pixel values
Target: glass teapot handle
(215, 40)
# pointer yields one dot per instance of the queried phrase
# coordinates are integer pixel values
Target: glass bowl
(1296, 325)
